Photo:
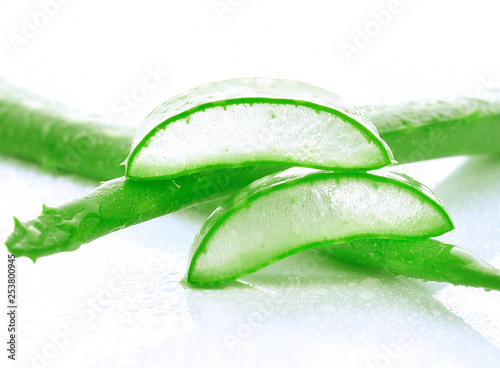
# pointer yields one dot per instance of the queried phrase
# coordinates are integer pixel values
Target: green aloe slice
(252, 121)
(300, 208)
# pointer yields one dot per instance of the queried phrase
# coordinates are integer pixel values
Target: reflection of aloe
(331, 299)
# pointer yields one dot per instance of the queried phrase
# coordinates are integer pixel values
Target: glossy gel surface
(243, 122)
(283, 213)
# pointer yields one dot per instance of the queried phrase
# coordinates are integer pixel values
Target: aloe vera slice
(300, 208)
(252, 121)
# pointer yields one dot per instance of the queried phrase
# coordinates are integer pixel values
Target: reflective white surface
(117, 302)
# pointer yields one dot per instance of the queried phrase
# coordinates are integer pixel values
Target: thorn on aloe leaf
(46, 210)
(19, 228)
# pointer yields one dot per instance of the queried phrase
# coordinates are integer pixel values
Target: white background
(93, 54)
